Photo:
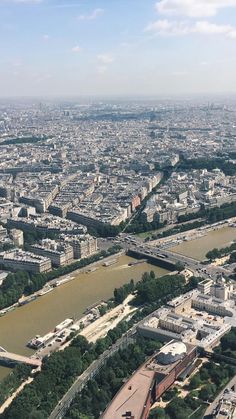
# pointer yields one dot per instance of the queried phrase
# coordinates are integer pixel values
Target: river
(199, 247)
(71, 299)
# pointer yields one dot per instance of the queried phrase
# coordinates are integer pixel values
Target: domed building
(171, 353)
(146, 385)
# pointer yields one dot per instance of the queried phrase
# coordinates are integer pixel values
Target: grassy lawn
(147, 233)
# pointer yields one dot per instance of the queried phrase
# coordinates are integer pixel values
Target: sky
(117, 47)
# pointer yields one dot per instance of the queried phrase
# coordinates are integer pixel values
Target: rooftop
(133, 395)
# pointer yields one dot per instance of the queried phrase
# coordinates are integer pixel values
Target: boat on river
(62, 281)
(27, 300)
(89, 271)
(110, 262)
(45, 291)
(137, 262)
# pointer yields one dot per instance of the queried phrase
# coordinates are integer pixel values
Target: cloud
(102, 69)
(168, 28)
(207, 28)
(93, 15)
(193, 8)
(180, 28)
(105, 58)
(104, 61)
(76, 48)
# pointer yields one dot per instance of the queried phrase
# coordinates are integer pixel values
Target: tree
(98, 393)
(213, 254)
(121, 293)
(179, 266)
(207, 392)
(232, 258)
(102, 310)
(192, 401)
(193, 282)
(170, 394)
(204, 374)
(195, 382)
(229, 341)
(157, 413)
(35, 414)
(178, 409)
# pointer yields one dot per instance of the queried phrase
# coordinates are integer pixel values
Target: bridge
(152, 253)
(152, 258)
(9, 358)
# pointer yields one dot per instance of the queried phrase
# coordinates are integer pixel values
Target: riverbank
(99, 328)
(214, 237)
(57, 282)
(169, 286)
(95, 330)
(69, 300)
(192, 234)
(167, 228)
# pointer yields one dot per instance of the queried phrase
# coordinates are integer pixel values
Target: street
(210, 410)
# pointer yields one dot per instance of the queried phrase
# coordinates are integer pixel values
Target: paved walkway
(12, 397)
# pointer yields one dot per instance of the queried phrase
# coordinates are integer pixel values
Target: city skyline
(125, 48)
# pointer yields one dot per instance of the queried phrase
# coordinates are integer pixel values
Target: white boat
(45, 291)
(109, 263)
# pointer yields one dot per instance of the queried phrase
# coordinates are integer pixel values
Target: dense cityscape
(118, 190)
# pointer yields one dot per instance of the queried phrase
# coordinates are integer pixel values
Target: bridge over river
(9, 358)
